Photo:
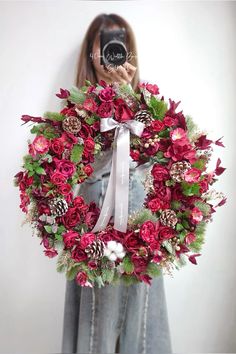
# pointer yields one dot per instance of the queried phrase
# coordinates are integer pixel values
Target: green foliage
(159, 157)
(91, 120)
(76, 96)
(129, 279)
(153, 269)
(192, 128)
(76, 153)
(200, 164)
(204, 207)
(54, 116)
(33, 167)
(44, 129)
(158, 107)
(64, 261)
(143, 215)
(127, 265)
(175, 204)
(190, 189)
(108, 275)
(196, 246)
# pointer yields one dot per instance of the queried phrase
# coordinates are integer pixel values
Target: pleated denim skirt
(116, 319)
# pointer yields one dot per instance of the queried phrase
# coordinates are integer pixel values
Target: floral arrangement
(179, 202)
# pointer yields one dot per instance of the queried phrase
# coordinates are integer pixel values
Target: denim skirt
(116, 318)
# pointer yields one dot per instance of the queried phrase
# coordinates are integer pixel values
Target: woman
(113, 318)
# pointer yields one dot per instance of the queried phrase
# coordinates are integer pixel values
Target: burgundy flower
(105, 109)
(165, 233)
(64, 189)
(89, 144)
(122, 111)
(58, 178)
(78, 254)
(140, 263)
(57, 146)
(70, 238)
(159, 172)
(131, 241)
(90, 105)
(71, 218)
(154, 204)
(162, 191)
(50, 252)
(66, 167)
(157, 125)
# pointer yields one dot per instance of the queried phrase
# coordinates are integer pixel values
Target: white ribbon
(117, 193)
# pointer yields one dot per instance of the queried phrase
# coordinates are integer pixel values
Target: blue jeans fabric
(116, 319)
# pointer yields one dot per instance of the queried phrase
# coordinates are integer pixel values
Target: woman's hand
(122, 74)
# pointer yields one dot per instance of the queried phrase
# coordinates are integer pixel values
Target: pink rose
(153, 89)
(160, 173)
(50, 252)
(157, 125)
(179, 136)
(70, 238)
(148, 231)
(107, 94)
(196, 215)
(86, 239)
(90, 105)
(192, 175)
(66, 167)
(40, 145)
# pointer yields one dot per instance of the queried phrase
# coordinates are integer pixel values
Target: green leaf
(58, 237)
(175, 204)
(76, 96)
(200, 164)
(40, 170)
(72, 272)
(190, 189)
(153, 269)
(127, 265)
(76, 153)
(179, 227)
(48, 228)
(54, 116)
(142, 215)
(158, 107)
(90, 120)
(204, 207)
(129, 279)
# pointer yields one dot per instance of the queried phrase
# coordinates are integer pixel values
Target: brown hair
(85, 69)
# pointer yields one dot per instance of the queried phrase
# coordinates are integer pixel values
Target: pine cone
(96, 249)
(178, 169)
(144, 116)
(58, 206)
(71, 124)
(168, 218)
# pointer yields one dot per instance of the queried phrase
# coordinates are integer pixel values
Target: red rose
(154, 204)
(78, 254)
(71, 218)
(66, 167)
(162, 192)
(122, 111)
(132, 242)
(160, 173)
(89, 144)
(70, 238)
(203, 186)
(88, 170)
(68, 139)
(105, 109)
(157, 125)
(58, 178)
(91, 218)
(64, 189)
(86, 239)
(107, 94)
(165, 233)
(57, 146)
(148, 231)
(169, 121)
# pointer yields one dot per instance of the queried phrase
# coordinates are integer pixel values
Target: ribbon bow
(117, 193)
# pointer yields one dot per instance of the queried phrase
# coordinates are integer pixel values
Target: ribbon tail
(109, 201)
(122, 180)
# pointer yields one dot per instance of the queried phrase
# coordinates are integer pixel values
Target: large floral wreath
(168, 230)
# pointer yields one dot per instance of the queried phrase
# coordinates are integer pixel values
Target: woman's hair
(85, 69)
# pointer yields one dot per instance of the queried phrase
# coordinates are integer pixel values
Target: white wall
(188, 49)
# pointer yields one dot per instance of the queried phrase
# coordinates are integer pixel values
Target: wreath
(108, 246)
